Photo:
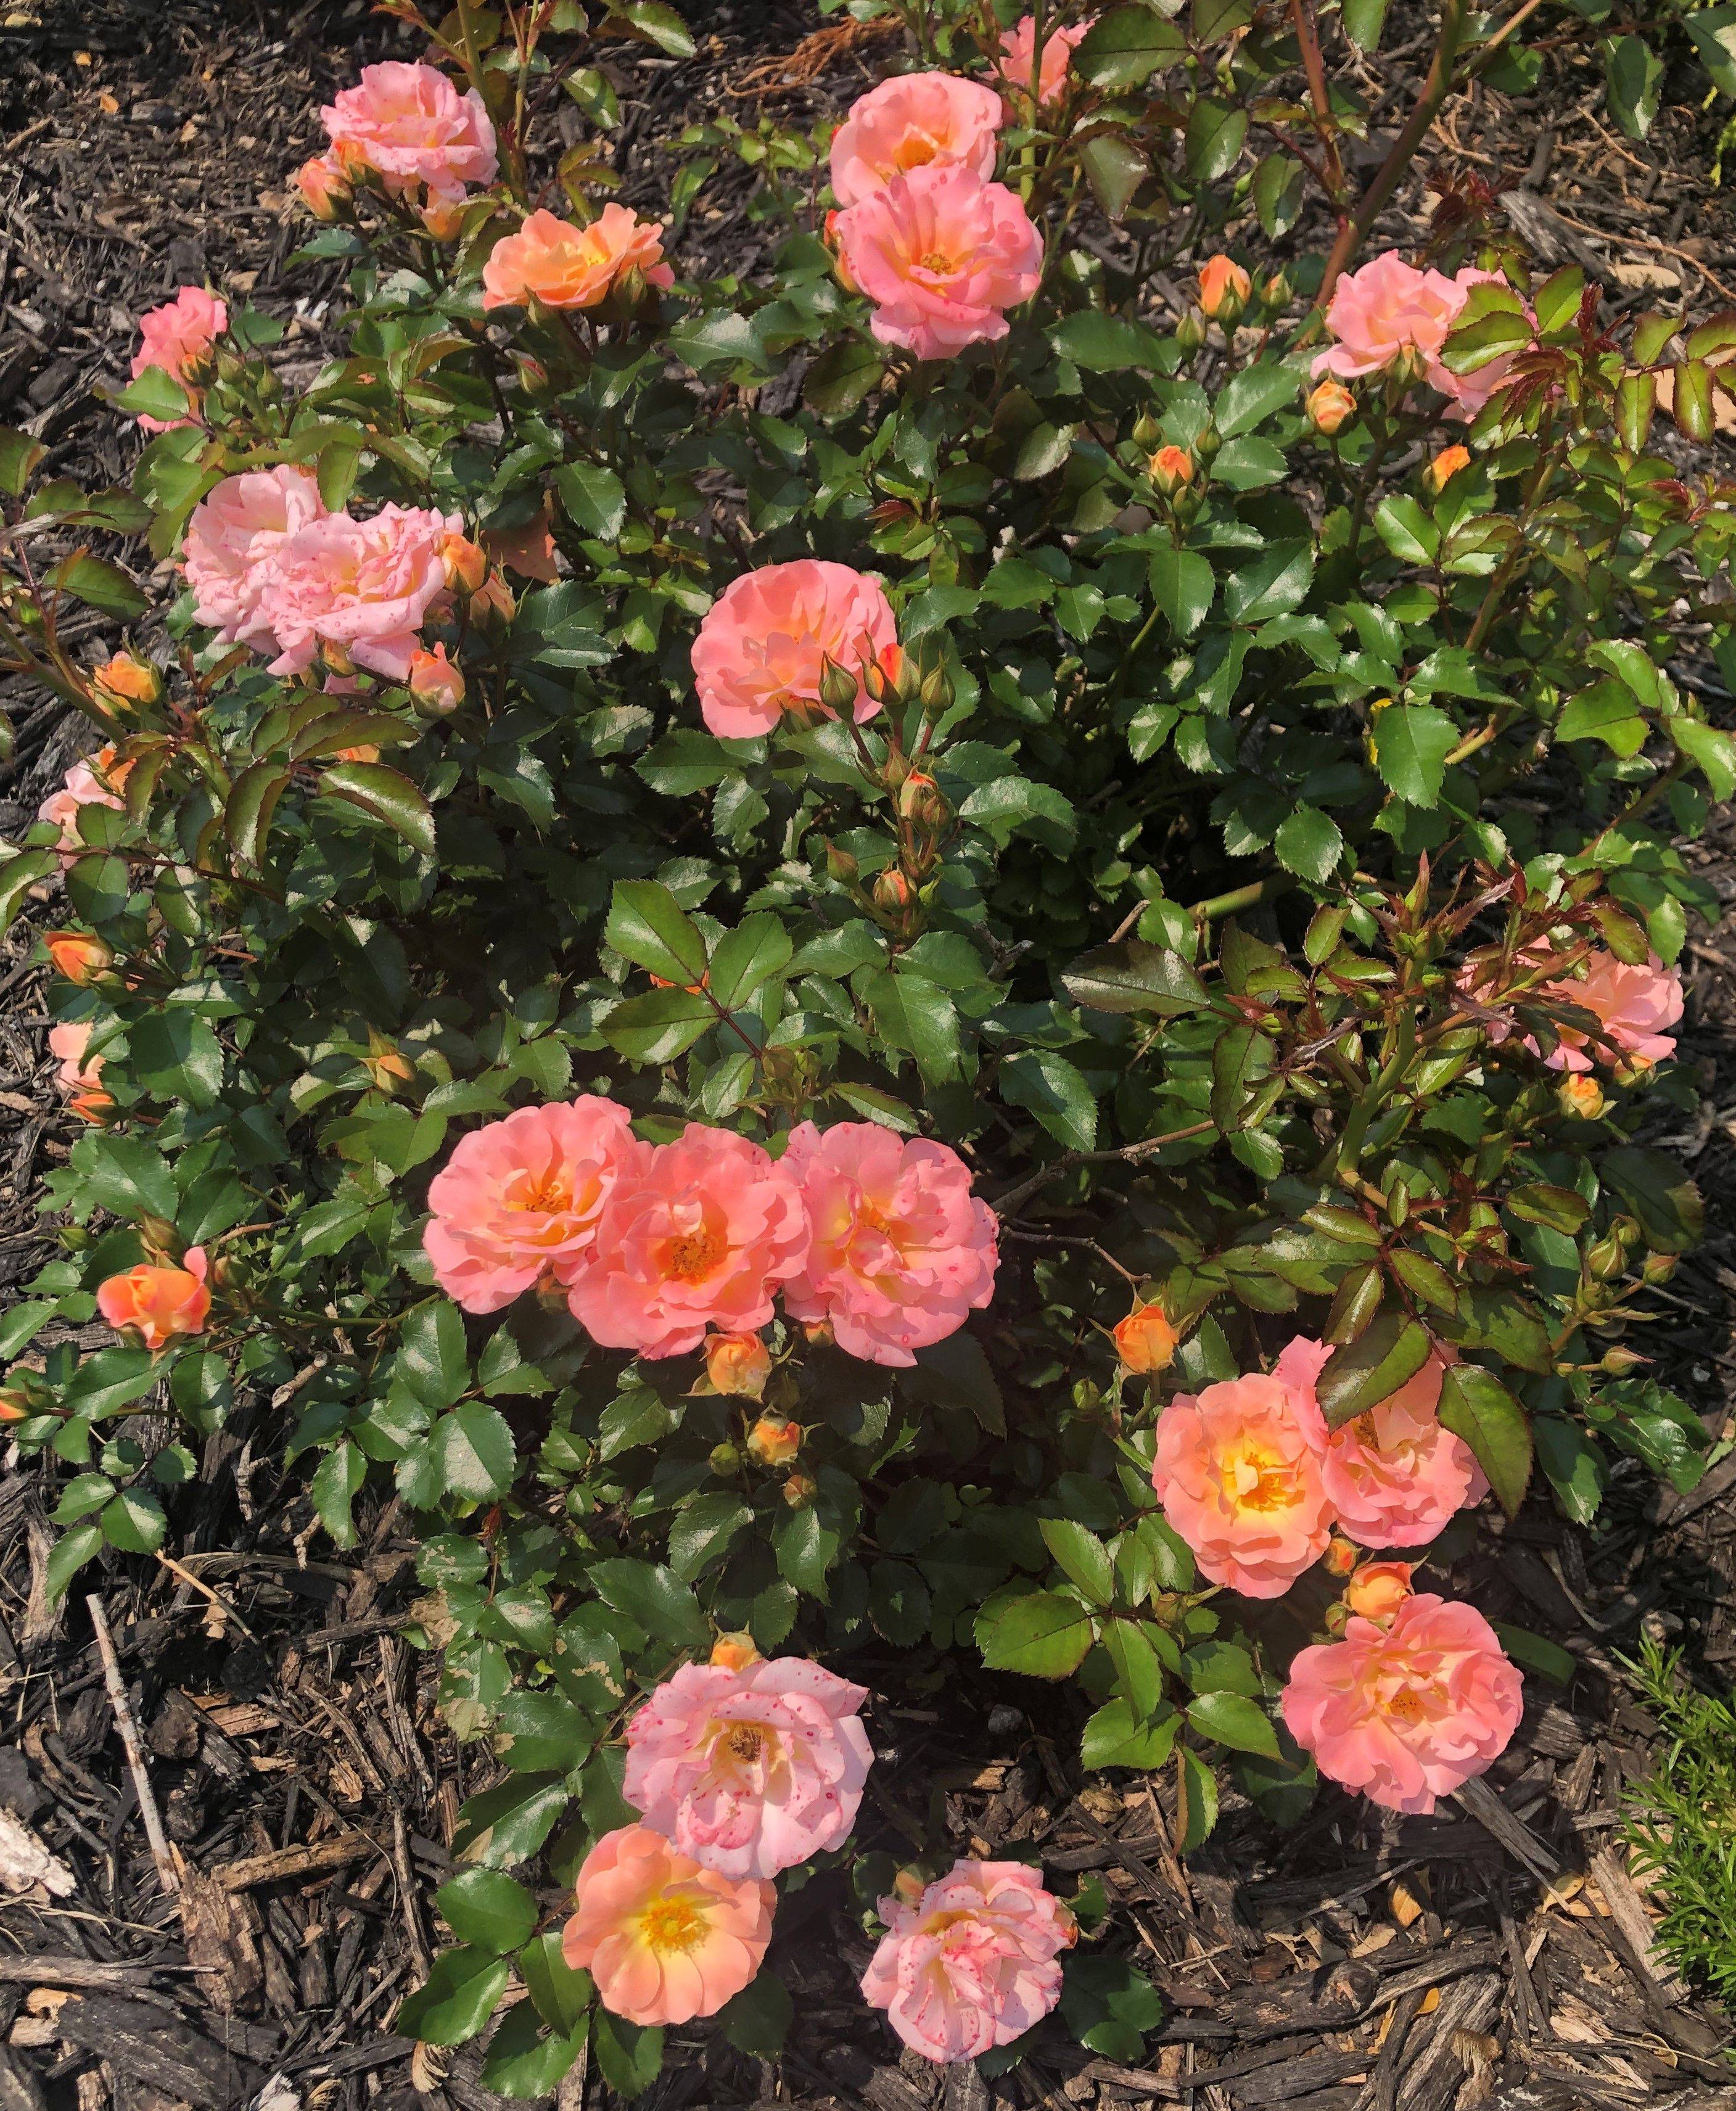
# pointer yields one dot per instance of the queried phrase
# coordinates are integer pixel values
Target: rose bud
(838, 689)
(1446, 465)
(14, 1405)
(467, 563)
(1329, 406)
(818, 1333)
(1579, 1094)
(892, 890)
(919, 800)
(442, 219)
(1274, 295)
(493, 600)
(1170, 468)
(1378, 1589)
(1622, 1362)
(1190, 332)
(1340, 1558)
(79, 955)
(773, 1441)
(1225, 290)
(437, 686)
(124, 683)
(1145, 1341)
(735, 1652)
(386, 1064)
(724, 1460)
(739, 1365)
(324, 185)
(798, 1491)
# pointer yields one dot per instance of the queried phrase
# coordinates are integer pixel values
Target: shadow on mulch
(1495, 1953)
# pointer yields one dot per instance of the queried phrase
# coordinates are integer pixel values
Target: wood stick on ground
(162, 1853)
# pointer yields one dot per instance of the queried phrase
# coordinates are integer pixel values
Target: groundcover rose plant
(900, 953)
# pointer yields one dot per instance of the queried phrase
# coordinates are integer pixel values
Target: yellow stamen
(671, 1924)
(696, 1254)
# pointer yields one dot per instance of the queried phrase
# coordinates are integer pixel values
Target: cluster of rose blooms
(741, 1769)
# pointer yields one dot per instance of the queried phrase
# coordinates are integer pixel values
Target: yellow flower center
(936, 260)
(1256, 1479)
(915, 150)
(1406, 1704)
(553, 1192)
(671, 1924)
(695, 1254)
(743, 1741)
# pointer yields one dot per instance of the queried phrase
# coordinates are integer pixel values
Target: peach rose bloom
(1378, 1589)
(971, 1962)
(1238, 1470)
(178, 336)
(942, 255)
(158, 1303)
(80, 1075)
(914, 120)
(97, 780)
(231, 538)
(563, 266)
(750, 1771)
(1018, 56)
(697, 1235)
(364, 586)
(519, 1199)
(1409, 1712)
(1393, 1476)
(765, 643)
(902, 1252)
(408, 124)
(1383, 312)
(664, 1940)
(1631, 1004)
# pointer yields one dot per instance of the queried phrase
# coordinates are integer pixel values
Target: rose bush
(904, 954)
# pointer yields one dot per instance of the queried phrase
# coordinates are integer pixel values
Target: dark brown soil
(307, 1785)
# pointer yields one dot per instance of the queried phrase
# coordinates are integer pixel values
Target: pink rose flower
(79, 1074)
(971, 1961)
(1630, 1003)
(1238, 1470)
(1384, 311)
(1407, 1712)
(563, 266)
(749, 1771)
(409, 125)
(942, 255)
(664, 1940)
(1018, 56)
(914, 120)
(233, 534)
(697, 1235)
(519, 1199)
(902, 1251)
(96, 780)
(365, 587)
(178, 336)
(765, 643)
(1393, 1476)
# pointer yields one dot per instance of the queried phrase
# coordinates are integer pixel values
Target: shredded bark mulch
(226, 1795)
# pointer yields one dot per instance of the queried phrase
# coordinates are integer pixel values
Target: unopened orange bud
(1446, 465)
(1329, 406)
(14, 1407)
(79, 955)
(493, 600)
(467, 563)
(1145, 1341)
(335, 656)
(909, 1885)
(437, 686)
(386, 1063)
(94, 1106)
(1169, 469)
(125, 681)
(892, 890)
(773, 1440)
(798, 1491)
(1341, 1557)
(1225, 289)
(1579, 1094)
(1378, 1589)
(324, 185)
(818, 1333)
(442, 221)
(735, 1652)
(739, 1365)
(840, 269)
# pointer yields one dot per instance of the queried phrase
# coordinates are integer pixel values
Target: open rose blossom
(563, 266)
(1630, 1003)
(81, 1074)
(1239, 1472)
(1018, 57)
(1384, 311)
(1393, 1476)
(942, 255)
(697, 1234)
(178, 336)
(750, 1771)
(519, 1198)
(231, 538)
(364, 586)
(1407, 1712)
(96, 781)
(914, 120)
(971, 1962)
(664, 1940)
(158, 1302)
(764, 644)
(902, 1251)
(408, 124)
